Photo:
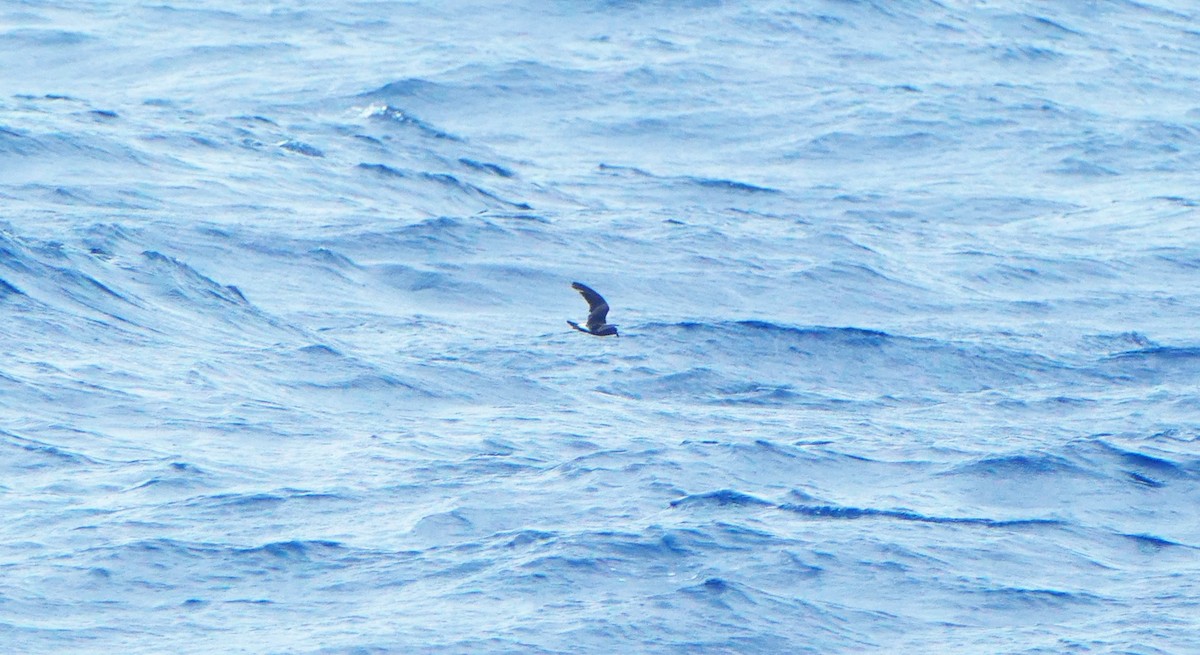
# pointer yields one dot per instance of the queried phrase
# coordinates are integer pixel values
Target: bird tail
(576, 326)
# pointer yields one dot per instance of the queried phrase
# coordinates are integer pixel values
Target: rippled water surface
(907, 294)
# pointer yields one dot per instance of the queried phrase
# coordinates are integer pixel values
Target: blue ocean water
(907, 297)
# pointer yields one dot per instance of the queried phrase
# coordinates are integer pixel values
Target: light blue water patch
(906, 296)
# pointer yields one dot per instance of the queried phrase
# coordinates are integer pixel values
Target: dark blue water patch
(10, 133)
(383, 169)
(1117, 343)
(163, 555)
(639, 549)
(715, 585)
(188, 281)
(720, 592)
(493, 169)
(179, 476)
(1023, 24)
(1178, 434)
(242, 501)
(322, 351)
(255, 119)
(758, 329)
(296, 550)
(1143, 480)
(755, 393)
(1152, 463)
(1012, 598)
(675, 189)
(856, 513)
(1181, 201)
(1186, 354)
(7, 289)
(564, 570)
(441, 227)
(622, 171)
(524, 539)
(33, 260)
(456, 184)
(165, 484)
(1027, 53)
(1020, 465)
(1187, 259)
(603, 460)
(801, 24)
(301, 148)
(236, 294)
(332, 258)
(34, 454)
(1153, 543)
(463, 190)
(71, 281)
(1154, 365)
(729, 185)
(1151, 467)
(721, 498)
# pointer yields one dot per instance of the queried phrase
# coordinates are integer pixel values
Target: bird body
(597, 313)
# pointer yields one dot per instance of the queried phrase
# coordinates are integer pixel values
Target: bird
(597, 313)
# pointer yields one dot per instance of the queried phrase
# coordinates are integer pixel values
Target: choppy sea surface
(907, 294)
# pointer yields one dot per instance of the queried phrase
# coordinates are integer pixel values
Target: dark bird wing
(597, 308)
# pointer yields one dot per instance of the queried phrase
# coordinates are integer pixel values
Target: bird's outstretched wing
(597, 307)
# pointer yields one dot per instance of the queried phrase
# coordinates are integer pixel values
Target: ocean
(907, 298)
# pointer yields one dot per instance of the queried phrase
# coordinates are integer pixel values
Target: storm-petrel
(597, 313)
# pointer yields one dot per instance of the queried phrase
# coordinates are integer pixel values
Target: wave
(301, 148)
(721, 498)
(855, 146)
(1083, 168)
(486, 167)
(729, 498)
(397, 116)
(27, 453)
(856, 513)
(438, 183)
(703, 383)
(7, 289)
(1154, 543)
(684, 184)
(78, 283)
(1010, 467)
(1160, 354)
(169, 554)
(754, 356)
(1076, 465)
(1154, 365)
(62, 280)
(35, 37)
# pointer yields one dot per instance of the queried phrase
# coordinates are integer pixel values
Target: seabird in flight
(597, 313)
